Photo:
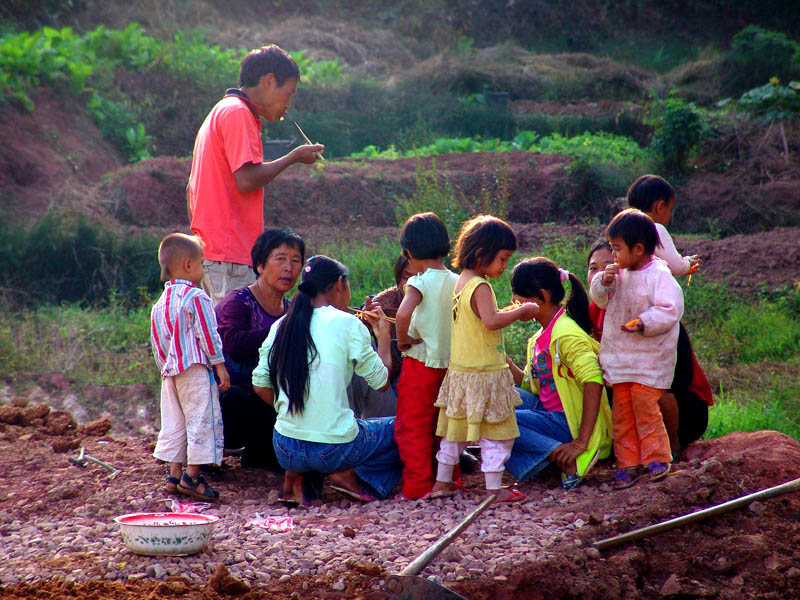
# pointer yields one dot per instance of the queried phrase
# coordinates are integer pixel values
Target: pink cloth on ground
(542, 366)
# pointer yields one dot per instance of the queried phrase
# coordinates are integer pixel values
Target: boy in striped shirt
(187, 347)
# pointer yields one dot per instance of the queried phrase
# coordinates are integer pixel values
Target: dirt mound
(59, 542)
(49, 156)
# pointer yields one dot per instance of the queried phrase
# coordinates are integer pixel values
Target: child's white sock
(444, 473)
(494, 480)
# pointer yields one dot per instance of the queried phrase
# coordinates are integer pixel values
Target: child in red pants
(644, 305)
(423, 335)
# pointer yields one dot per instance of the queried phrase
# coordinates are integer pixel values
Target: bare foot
(347, 480)
(293, 487)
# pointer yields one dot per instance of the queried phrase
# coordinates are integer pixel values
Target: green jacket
(574, 355)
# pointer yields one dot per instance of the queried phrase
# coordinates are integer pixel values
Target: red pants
(415, 425)
(639, 433)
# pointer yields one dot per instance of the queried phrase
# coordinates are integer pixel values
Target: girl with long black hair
(306, 364)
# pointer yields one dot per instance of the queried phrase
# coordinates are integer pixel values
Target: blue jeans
(373, 454)
(540, 432)
(529, 401)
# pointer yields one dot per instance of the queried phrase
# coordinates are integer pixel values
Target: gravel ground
(56, 525)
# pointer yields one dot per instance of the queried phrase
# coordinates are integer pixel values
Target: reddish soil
(750, 553)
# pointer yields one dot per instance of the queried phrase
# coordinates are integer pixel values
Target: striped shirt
(183, 329)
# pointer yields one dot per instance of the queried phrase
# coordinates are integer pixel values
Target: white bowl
(166, 534)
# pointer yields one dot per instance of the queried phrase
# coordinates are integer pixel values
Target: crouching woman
(305, 365)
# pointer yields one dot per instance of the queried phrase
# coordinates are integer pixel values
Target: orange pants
(639, 433)
(415, 425)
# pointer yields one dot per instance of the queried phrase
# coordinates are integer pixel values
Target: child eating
(644, 305)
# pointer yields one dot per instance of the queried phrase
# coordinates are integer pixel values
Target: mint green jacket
(574, 355)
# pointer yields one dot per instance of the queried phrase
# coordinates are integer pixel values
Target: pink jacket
(652, 295)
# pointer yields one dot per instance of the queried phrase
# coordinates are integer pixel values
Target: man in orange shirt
(225, 195)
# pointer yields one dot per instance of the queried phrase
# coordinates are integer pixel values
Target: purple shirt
(243, 325)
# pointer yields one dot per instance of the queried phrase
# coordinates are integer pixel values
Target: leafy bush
(756, 55)
(678, 129)
(772, 101)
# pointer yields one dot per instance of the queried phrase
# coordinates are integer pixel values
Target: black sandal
(172, 481)
(189, 485)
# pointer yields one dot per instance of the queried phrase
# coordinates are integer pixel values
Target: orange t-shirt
(227, 220)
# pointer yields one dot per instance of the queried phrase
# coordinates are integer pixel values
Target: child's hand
(694, 263)
(370, 304)
(379, 324)
(609, 273)
(405, 342)
(222, 375)
(527, 311)
(633, 326)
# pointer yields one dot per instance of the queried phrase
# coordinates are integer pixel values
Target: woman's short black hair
(271, 239)
(633, 227)
(265, 60)
(481, 239)
(599, 245)
(647, 190)
(425, 236)
(399, 266)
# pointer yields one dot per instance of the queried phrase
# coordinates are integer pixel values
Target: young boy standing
(644, 305)
(186, 347)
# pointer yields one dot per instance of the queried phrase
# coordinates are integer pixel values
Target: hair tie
(307, 268)
(308, 288)
(564, 274)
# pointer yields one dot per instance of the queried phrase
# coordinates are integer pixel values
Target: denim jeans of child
(373, 454)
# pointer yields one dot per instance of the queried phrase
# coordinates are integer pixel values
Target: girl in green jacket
(570, 424)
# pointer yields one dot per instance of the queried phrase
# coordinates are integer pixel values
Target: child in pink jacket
(644, 305)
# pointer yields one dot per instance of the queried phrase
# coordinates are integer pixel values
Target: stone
(97, 428)
(19, 402)
(31, 413)
(221, 581)
(593, 553)
(338, 586)
(349, 532)
(156, 571)
(10, 414)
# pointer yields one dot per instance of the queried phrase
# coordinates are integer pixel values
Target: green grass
(742, 411)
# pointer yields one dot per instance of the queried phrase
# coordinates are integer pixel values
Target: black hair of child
(293, 350)
(399, 266)
(481, 239)
(271, 239)
(265, 60)
(599, 245)
(533, 275)
(647, 190)
(633, 227)
(425, 236)
(174, 248)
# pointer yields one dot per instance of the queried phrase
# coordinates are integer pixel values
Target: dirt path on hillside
(57, 539)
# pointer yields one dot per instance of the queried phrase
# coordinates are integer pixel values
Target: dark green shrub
(72, 259)
(756, 55)
(678, 128)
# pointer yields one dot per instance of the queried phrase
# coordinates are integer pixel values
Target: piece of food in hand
(634, 323)
(694, 268)
(511, 306)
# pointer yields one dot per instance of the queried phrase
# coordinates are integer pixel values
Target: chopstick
(360, 314)
(308, 141)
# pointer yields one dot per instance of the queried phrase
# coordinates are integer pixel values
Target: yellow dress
(477, 397)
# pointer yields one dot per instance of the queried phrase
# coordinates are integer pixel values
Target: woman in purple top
(244, 318)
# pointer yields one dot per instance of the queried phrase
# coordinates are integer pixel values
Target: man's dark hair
(271, 239)
(633, 227)
(265, 60)
(647, 190)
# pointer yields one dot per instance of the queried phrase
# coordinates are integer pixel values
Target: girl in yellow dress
(477, 398)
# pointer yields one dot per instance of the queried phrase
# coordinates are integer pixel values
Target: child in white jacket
(644, 305)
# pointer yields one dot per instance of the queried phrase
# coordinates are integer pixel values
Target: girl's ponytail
(578, 305)
(293, 350)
